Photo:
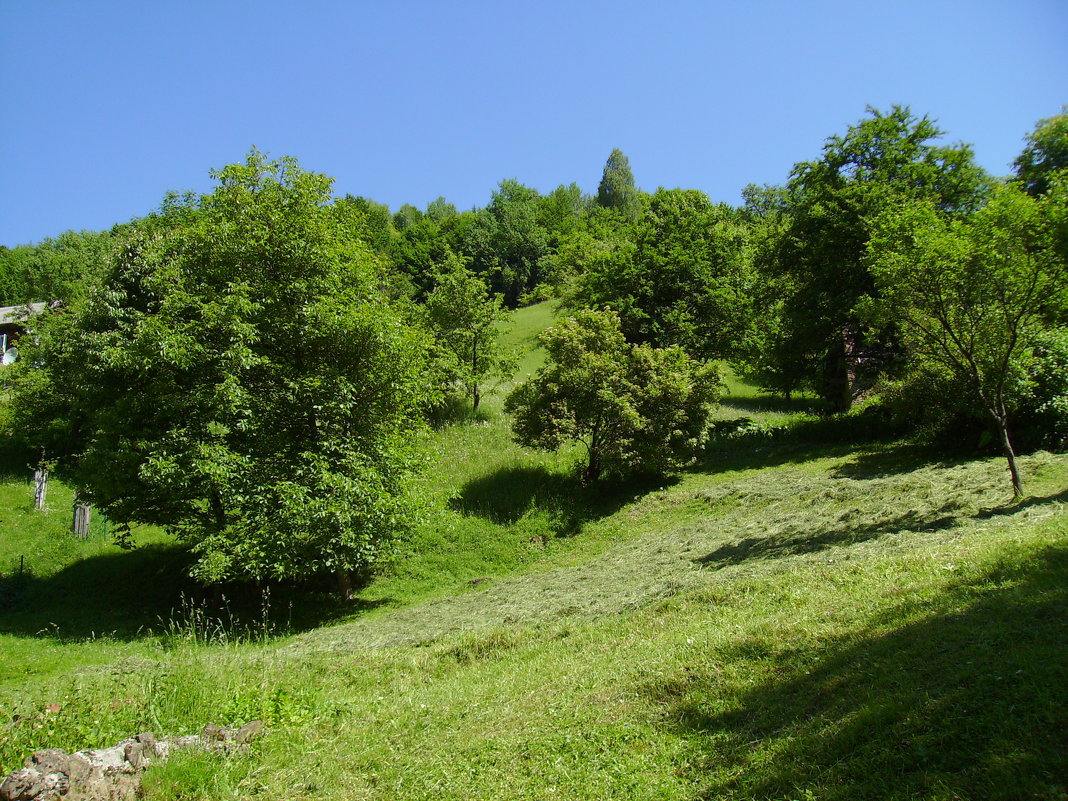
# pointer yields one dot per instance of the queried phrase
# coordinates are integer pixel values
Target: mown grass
(806, 614)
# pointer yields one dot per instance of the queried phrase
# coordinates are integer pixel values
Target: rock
(55, 783)
(49, 760)
(80, 770)
(148, 743)
(249, 732)
(22, 785)
(213, 733)
(135, 755)
(112, 774)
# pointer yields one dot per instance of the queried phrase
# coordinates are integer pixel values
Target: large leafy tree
(681, 276)
(971, 295)
(633, 407)
(1046, 154)
(239, 379)
(819, 251)
(508, 241)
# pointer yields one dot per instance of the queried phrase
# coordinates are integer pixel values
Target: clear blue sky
(107, 105)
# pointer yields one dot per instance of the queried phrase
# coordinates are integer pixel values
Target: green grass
(798, 617)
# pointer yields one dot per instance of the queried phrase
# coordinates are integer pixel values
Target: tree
(634, 408)
(617, 189)
(970, 295)
(464, 319)
(508, 241)
(683, 276)
(238, 378)
(819, 251)
(1046, 154)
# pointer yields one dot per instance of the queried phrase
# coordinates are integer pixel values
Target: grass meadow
(810, 612)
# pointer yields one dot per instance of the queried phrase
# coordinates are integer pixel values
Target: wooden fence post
(40, 487)
(80, 524)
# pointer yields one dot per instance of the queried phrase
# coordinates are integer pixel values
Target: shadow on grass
(848, 531)
(1013, 507)
(774, 404)
(970, 701)
(146, 592)
(742, 443)
(506, 495)
(453, 410)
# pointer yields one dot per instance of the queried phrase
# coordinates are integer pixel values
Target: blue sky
(107, 105)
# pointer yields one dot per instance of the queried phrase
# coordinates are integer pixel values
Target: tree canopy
(238, 378)
(633, 407)
(617, 190)
(971, 295)
(818, 255)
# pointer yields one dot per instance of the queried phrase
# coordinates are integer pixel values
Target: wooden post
(82, 515)
(40, 487)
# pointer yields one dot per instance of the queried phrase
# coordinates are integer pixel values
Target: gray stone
(49, 760)
(81, 769)
(134, 754)
(22, 785)
(148, 743)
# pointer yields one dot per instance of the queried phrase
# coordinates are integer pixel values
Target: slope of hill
(791, 619)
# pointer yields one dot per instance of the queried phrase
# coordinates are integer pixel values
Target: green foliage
(56, 269)
(508, 241)
(464, 319)
(239, 379)
(682, 276)
(817, 252)
(1045, 155)
(617, 190)
(634, 408)
(970, 295)
(372, 220)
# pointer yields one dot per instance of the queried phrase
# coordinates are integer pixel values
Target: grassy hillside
(794, 618)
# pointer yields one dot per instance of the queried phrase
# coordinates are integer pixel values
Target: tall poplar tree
(617, 189)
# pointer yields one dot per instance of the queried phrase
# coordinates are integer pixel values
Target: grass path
(709, 530)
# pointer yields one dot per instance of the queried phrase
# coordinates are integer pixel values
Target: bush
(635, 408)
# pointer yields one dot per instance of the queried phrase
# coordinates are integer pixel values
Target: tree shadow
(742, 443)
(508, 494)
(968, 701)
(454, 410)
(896, 459)
(146, 592)
(802, 540)
(1013, 507)
(774, 404)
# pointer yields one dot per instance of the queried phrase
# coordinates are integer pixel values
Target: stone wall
(111, 774)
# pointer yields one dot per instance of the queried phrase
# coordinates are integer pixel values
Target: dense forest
(246, 367)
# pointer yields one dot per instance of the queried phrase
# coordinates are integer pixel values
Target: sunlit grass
(797, 617)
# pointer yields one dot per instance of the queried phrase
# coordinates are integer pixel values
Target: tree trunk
(344, 584)
(835, 384)
(217, 508)
(475, 397)
(593, 469)
(1006, 448)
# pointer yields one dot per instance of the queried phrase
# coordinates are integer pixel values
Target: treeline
(247, 367)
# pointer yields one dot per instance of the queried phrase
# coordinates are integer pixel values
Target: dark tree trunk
(217, 509)
(836, 386)
(475, 397)
(344, 584)
(1006, 447)
(593, 469)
